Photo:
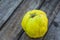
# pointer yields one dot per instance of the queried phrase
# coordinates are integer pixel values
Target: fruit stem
(32, 15)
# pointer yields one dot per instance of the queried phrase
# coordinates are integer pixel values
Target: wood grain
(6, 9)
(13, 26)
(49, 6)
(54, 30)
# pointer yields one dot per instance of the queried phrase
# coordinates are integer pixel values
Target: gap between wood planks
(9, 12)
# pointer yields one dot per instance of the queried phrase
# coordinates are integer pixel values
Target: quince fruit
(35, 23)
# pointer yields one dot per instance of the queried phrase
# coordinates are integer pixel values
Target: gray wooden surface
(12, 11)
(6, 9)
(52, 33)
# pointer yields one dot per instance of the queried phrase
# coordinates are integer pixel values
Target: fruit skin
(35, 26)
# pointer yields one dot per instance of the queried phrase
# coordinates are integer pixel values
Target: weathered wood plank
(57, 32)
(50, 11)
(13, 25)
(6, 9)
(53, 32)
(48, 7)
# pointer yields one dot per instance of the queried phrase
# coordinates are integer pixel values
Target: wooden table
(12, 11)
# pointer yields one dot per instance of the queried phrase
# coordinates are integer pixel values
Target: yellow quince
(35, 23)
